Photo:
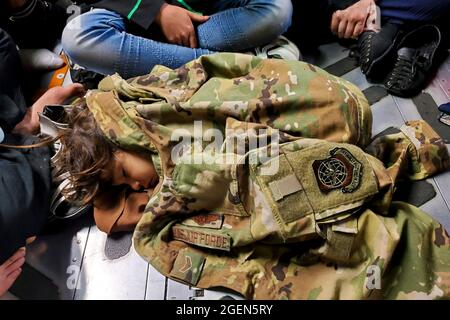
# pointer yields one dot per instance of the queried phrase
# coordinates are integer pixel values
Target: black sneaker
(416, 56)
(376, 50)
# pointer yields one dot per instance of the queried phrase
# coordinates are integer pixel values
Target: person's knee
(75, 38)
(279, 16)
(85, 37)
(272, 18)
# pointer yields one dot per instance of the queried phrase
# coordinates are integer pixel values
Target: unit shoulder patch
(340, 171)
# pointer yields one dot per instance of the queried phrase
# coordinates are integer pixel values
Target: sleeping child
(258, 176)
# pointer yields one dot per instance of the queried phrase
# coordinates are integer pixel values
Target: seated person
(347, 19)
(316, 213)
(25, 178)
(397, 17)
(350, 22)
(130, 39)
(399, 43)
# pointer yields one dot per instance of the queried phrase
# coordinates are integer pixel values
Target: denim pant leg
(12, 102)
(98, 40)
(238, 25)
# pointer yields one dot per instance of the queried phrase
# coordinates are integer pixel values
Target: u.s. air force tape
(206, 239)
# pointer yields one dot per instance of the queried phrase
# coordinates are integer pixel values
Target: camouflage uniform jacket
(306, 215)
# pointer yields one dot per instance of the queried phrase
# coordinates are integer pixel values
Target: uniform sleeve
(140, 12)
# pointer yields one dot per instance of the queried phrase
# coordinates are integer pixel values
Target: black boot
(376, 50)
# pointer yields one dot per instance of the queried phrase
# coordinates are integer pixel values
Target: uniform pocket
(320, 184)
(283, 189)
(282, 211)
(336, 178)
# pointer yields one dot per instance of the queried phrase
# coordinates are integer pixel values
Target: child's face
(132, 169)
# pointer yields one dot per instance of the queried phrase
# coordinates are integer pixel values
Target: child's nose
(136, 185)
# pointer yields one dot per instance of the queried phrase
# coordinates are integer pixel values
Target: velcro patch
(210, 220)
(340, 170)
(284, 187)
(188, 266)
(339, 245)
(201, 238)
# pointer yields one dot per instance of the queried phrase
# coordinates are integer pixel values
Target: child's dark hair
(84, 152)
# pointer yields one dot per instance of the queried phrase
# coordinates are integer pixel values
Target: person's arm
(349, 23)
(29, 125)
(177, 25)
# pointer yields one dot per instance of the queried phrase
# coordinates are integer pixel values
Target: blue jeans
(98, 40)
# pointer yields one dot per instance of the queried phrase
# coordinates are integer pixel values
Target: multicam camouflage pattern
(322, 226)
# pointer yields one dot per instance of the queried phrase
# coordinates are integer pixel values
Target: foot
(418, 53)
(10, 270)
(56, 95)
(281, 48)
(40, 60)
(376, 49)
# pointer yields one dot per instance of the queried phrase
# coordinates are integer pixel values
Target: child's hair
(84, 152)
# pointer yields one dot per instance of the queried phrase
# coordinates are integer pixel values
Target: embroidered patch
(340, 170)
(188, 266)
(210, 220)
(202, 239)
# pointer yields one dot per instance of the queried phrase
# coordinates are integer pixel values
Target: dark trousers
(415, 11)
(25, 177)
(12, 102)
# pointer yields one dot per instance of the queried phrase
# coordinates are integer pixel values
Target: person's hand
(57, 95)
(349, 23)
(10, 270)
(177, 25)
